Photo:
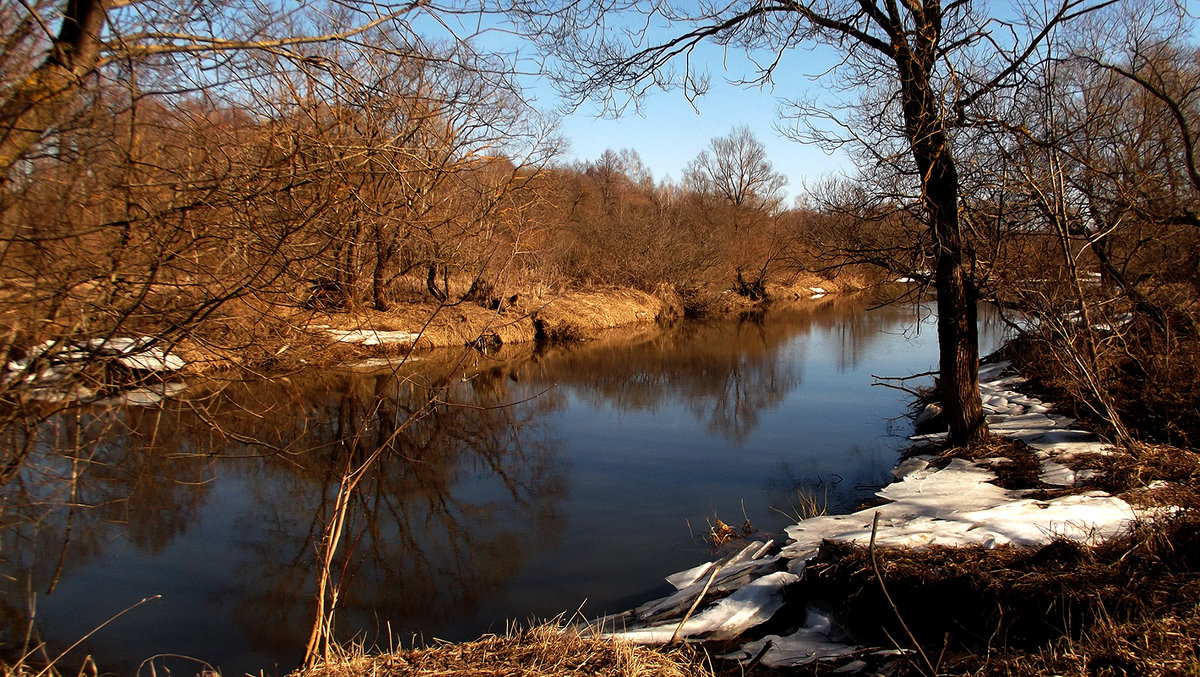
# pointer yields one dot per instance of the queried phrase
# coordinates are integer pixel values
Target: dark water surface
(597, 479)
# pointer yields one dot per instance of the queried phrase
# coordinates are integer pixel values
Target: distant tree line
(723, 228)
(205, 175)
(997, 149)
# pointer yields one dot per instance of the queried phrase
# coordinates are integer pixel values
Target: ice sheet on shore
(60, 359)
(933, 502)
(749, 606)
(370, 337)
(817, 639)
(731, 573)
(52, 370)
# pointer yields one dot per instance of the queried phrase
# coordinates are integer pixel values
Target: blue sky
(668, 132)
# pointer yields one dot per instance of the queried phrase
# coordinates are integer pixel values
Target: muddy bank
(300, 340)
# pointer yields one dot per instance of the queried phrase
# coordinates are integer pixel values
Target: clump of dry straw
(542, 651)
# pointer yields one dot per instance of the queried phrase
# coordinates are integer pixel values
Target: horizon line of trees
(187, 177)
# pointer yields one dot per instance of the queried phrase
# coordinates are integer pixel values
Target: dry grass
(295, 339)
(1154, 383)
(801, 285)
(1149, 646)
(542, 651)
(720, 533)
(440, 326)
(807, 505)
(582, 315)
(1146, 464)
(1126, 607)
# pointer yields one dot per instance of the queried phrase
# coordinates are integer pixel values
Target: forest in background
(210, 179)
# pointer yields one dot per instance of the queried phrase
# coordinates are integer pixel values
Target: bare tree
(163, 165)
(65, 46)
(1091, 163)
(735, 169)
(743, 193)
(940, 60)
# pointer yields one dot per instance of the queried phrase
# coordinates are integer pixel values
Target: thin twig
(888, 597)
(910, 391)
(98, 628)
(679, 628)
(904, 378)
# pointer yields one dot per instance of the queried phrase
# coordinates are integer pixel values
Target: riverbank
(939, 500)
(1046, 551)
(277, 341)
(514, 455)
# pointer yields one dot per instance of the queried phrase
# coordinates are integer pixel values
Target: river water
(537, 483)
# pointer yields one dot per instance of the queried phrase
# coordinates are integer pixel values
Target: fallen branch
(910, 391)
(679, 628)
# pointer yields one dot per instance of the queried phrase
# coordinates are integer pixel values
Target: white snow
(58, 359)
(1057, 474)
(50, 368)
(930, 412)
(750, 560)
(371, 337)
(817, 639)
(750, 605)
(933, 502)
(685, 578)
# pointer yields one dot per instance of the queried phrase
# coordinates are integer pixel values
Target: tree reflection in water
(473, 510)
(445, 515)
(728, 373)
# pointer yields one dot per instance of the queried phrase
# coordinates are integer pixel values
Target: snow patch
(933, 502)
(751, 605)
(371, 337)
(817, 639)
(52, 369)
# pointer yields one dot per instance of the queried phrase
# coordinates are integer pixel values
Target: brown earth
(269, 342)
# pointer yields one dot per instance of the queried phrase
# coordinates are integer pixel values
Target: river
(539, 482)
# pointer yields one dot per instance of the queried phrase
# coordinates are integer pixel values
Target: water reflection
(522, 485)
(727, 372)
(460, 495)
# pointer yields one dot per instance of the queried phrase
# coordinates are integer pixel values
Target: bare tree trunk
(958, 350)
(431, 283)
(957, 307)
(378, 277)
(958, 331)
(37, 103)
